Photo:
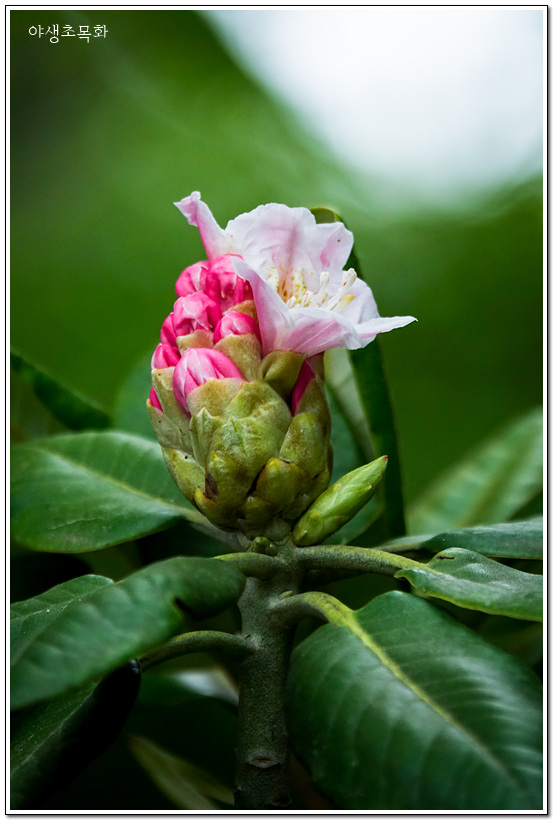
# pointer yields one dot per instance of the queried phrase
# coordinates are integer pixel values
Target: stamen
(303, 297)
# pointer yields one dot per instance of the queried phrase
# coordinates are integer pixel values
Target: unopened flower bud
(223, 285)
(306, 376)
(154, 399)
(193, 312)
(167, 333)
(198, 366)
(234, 323)
(192, 279)
(165, 356)
(339, 503)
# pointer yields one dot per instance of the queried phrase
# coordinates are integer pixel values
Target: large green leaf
(56, 740)
(347, 457)
(368, 367)
(186, 785)
(473, 581)
(81, 492)
(67, 406)
(55, 649)
(492, 484)
(398, 707)
(28, 618)
(369, 401)
(517, 539)
(340, 378)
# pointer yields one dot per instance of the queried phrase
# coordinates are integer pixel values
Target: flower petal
(164, 356)
(154, 399)
(192, 279)
(193, 312)
(335, 243)
(278, 241)
(167, 333)
(305, 377)
(272, 314)
(382, 324)
(198, 214)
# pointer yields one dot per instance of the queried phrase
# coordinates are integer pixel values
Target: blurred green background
(106, 135)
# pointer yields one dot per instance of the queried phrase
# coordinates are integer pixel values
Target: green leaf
(347, 453)
(473, 581)
(398, 707)
(68, 407)
(186, 785)
(55, 649)
(492, 484)
(29, 618)
(85, 491)
(368, 368)
(56, 740)
(371, 402)
(340, 378)
(174, 686)
(517, 539)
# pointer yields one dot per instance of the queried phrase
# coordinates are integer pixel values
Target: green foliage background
(106, 135)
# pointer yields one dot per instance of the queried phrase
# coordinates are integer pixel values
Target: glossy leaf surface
(56, 651)
(489, 485)
(516, 539)
(82, 492)
(398, 707)
(473, 581)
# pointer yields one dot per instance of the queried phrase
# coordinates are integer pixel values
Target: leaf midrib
(61, 608)
(355, 627)
(111, 479)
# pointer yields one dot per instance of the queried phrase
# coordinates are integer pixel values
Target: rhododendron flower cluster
(238, 402)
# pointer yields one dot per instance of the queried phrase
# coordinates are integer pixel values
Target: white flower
(304, 299)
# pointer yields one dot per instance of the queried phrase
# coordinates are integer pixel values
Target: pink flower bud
(165, 356)
(193, 312)
(223, 285)
(235, 323)
(305, 377)
(192, 279)
(167, 334)
(197, 366)
(154, 399)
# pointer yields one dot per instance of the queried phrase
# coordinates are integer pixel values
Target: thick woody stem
(262, 751)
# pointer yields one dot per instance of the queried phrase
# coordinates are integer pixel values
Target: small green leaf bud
(337, 505)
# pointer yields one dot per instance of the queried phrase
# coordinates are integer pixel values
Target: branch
(353, 559)
(255, 564)
(233, 646)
